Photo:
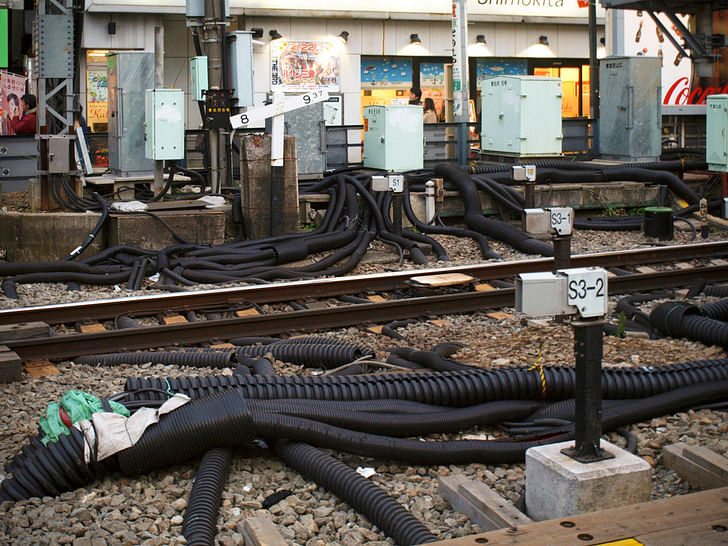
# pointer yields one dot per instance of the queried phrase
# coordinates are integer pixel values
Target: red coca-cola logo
(680, 93)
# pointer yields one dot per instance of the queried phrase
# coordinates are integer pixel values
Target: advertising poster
(303, 66)
(488, 69)
(96, 98)
(385, 72)
(12, 88)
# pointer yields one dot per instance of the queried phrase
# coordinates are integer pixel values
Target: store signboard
(564, 10)
(303, 66)
(485, 68)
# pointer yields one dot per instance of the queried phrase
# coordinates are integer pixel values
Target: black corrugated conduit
(679, 319)
(200, 521)
(323, 355)
(429, 359)
(475, 220)
(219, 358)
(717, 310)
(455, 389)
(361, 494)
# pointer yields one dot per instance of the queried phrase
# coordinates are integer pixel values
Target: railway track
(233, 312)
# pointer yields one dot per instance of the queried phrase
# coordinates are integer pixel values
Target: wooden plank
(708, 459)
(674, 458)
(484, 287)
(260, 531)
(24, 330)
(499, 315)
(223, 346)
(174, 319)
(95, 328)
(376, 329)
(40, 368)
(704, 532)
(667, 515)
(480, 503)
(250, 312)
(440, 322)
(447, 279)
(376, 298)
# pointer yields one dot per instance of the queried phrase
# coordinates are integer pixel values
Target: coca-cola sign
(680, 93)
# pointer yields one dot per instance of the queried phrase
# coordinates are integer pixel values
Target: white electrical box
(581, 291)
(198, 78)
(716, 133)
(393, 137)
(536, 221)
(521, 115)
(240, 51)
(164, 125)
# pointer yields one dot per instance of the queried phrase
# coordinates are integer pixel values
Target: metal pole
(213, 38)
(562, 252)
(588, 426)
(277, 182)
(593, 76)
(158, 184)
(460, 77)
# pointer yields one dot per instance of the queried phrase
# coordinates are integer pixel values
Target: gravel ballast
(149, 509)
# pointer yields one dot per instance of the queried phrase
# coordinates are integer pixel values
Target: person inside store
(415, 96)
(25, 124)
(80, 121)
(13, 110)
(430, 115)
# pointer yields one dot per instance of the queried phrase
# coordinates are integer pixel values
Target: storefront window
(432, 83)
(97, 115)
(385, 80)
(574, 86)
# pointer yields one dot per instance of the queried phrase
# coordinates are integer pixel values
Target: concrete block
(558, 486)
(148, 232)
(255, 185)
(38, 237)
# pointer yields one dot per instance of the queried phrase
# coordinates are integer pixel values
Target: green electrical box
(716, 133)
(164, 124)
(198, 77)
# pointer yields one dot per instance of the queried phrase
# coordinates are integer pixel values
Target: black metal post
(529, 194)
(562, 252)
(397, 213)
(588, 353)
(277, 190)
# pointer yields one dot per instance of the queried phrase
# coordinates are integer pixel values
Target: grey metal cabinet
(130, 74)
(630, 107)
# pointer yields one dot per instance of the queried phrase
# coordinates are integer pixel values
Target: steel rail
(72, 345)
(330, 287)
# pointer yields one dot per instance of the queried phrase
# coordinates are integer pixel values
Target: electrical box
(130, 74)
(630, 107)
(240, 52)
(308, 126)
(716, 133)
(393, 137)
(521, 116)
(581, 290)
(164, 128)
(198, 78)
(60, 152)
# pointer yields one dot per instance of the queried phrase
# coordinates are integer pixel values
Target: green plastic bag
(77, 406)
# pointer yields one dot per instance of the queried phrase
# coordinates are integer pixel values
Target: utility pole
(158, 84)
(460, 77)
(593, 75)
(213, 38)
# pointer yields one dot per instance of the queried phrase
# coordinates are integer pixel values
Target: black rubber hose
(398, 425)
(220, 420)
(219, 358)
(717, 310)
(430, 359)
(479, 238)
(95, 231)
(678, 319)
(361, 494)
(455, 389)
(474, 218)
(200, 521)
(323, 355)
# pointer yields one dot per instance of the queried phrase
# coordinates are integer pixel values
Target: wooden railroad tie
(698, 465)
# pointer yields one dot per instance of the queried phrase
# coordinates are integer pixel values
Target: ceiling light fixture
(274, 35)
(543, 39)
(344, 36)
(480, 39)
(414, 39)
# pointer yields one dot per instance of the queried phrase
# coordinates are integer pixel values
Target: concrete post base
(558, 486)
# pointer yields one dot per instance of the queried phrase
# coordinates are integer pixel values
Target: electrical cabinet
(198, 78)
(393, 137)
(130, 74)
(716, 137)
(240, 51)
(164, 126)
(630, 108)
(521, 115)
(308, 126)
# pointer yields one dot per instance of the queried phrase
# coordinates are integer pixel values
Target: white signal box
(581, 291)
